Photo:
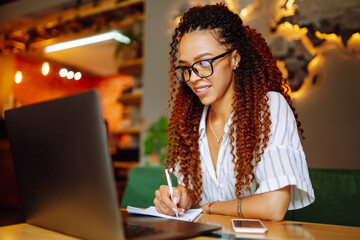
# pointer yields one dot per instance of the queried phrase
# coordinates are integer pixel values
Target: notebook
(65, 176)
(188, 216)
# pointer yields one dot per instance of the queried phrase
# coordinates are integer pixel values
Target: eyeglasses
(202, 68)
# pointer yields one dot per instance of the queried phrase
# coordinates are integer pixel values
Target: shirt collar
(202, 126)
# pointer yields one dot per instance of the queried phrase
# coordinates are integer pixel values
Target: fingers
(163, 203)
(176, 196)
(161, 208)
(185, 202)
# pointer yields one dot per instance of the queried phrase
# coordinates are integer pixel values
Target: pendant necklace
(217, 138)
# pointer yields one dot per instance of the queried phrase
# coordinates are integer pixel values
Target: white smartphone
(248, 226)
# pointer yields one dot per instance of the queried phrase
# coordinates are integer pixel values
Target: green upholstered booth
(141, 186)
(337, 198)
(337, 194)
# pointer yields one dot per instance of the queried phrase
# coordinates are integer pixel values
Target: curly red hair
(256, 75)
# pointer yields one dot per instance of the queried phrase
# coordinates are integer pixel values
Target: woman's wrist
(229, 208)
(209, 207)
(239, 209)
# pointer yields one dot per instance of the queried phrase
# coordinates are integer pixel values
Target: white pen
(170, 186)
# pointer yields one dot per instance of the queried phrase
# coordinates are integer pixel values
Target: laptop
(65, 175)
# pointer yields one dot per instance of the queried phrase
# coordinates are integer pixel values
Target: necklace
(217, 138)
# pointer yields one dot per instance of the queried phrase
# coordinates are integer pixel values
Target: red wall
(35, 87)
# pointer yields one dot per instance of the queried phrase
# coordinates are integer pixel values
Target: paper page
(188, 216)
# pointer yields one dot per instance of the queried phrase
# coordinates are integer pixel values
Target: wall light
(18, 77)
(63, 72)
(88, 40)
(45, 68)
(70, 75)
(77, 76)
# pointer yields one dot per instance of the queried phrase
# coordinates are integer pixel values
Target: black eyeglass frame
(189, 68)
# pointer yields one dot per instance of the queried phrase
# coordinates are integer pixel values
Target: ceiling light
(88, 40)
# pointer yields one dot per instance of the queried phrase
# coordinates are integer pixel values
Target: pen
(170, 186)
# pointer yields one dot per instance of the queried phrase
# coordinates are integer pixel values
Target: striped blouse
(283, 162)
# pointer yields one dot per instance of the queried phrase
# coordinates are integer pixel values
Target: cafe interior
(54, 49)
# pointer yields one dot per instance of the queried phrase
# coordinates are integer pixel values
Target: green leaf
(163, 140)
(149, 146)
(163, 123)
(156, 139)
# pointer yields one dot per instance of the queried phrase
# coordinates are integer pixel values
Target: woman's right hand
(181, 200)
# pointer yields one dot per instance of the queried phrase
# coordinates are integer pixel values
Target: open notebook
(188, 216)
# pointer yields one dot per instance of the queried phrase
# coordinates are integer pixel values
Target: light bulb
(18, 77)
(45, 68)
(70, 74)
(77, 76)
(63, 72)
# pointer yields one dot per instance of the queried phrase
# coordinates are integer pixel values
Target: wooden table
(276, 230)
(287, 229)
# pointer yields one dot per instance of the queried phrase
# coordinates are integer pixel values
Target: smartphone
(248, 226)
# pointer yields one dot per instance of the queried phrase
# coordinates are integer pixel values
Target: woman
(233, 132)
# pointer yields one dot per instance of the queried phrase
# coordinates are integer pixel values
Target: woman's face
(201, 45)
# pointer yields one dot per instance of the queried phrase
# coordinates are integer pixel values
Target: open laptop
(65, 175)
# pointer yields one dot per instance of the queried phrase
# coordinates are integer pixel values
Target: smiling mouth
(199, 90)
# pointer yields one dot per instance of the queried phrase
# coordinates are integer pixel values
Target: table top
(287, 229)
(276, 230)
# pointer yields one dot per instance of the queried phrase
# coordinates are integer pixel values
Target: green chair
(141, 186)
(337, 198)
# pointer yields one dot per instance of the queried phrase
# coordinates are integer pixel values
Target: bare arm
(266, 206)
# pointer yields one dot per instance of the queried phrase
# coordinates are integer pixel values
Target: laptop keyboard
(133, 231)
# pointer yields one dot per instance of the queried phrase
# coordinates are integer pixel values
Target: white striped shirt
(283, 162)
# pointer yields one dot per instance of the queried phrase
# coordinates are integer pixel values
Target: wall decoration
(299, 33)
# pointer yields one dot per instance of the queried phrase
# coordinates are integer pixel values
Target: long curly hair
(255, 76)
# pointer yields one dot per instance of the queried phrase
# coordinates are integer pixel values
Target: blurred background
(120, 48)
